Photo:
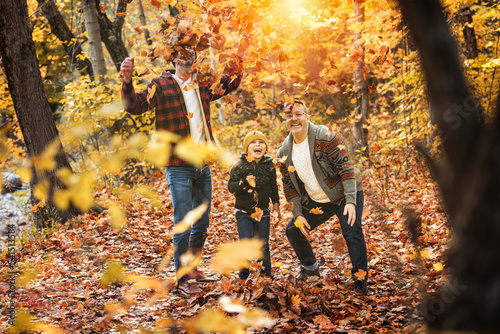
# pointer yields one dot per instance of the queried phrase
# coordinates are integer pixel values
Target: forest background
(98, 258)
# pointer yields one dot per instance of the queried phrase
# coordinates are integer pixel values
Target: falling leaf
(117, 216)
(139, 30)
(190, 218)
(151, 92)
(236, 256)
(231, 305)
(372, 88)
(47, 329)
(360, 274)
(438, 266)
(316, 211)
(257, 214)
(156, 3)
(330, 110)
(375, 148)
(291, 169)
(102, 8)
(115, 272)
(251, 181)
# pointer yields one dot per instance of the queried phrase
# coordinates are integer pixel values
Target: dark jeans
(249, 228)
(189, 187)
(353, 235)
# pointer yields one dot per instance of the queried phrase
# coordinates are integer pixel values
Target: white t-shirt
(194, 108)
(301, 159)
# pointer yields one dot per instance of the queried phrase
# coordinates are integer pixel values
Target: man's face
(297, 121)
(185, 57)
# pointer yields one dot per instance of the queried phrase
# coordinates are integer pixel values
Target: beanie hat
(251, 136)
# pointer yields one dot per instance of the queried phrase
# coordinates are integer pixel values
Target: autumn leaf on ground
(291, 169)
(360, 274)
(295, 300)
(236, 256)
(190, 218)
(257, 214)
(316, 211)
(322, 320)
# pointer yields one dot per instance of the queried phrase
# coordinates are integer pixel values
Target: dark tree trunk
(111, 33)
(142, 18)
(63, 33)
(362, 105)
(469, 178)
(28, 95)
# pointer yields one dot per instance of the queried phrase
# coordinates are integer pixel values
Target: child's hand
(251, 180)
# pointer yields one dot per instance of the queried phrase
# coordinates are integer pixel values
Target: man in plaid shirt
(185, 112)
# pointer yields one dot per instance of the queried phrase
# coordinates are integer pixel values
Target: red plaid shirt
(171, 111)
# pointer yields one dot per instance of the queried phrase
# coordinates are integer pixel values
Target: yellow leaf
(62, 198)
(291, 169)
(197, 154)
(189, 262)
(298, 223)
(159, 148)
(141, 282)
(117, 216)
(438, 266)
(231, 305)
(425, 254)
(23, 322)
(236, 256)
(41, 190)
(215, 321)
(151, 92)
(330, 110)
(48, 329)
(27, 275)
(278, 264)
(24, 173)
(45, 161)
(190, 218)
(149, 193)
(295, 300)
(115, 272)
(256, 318)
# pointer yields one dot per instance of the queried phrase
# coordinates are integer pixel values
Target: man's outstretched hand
(127, 68)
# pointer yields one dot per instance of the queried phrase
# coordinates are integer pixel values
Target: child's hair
(251, 136)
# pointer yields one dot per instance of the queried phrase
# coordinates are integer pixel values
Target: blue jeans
(249, 228)
(189, 187)
(353, 235)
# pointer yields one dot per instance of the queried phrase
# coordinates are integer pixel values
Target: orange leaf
(138, 29)
(316, 211)
(298, 223)
(120, 14)
(102, 8)
(156, 3)
(190, 115)
(291, 169)
(360, 274)
(330, 110)
(372, 88)
(376, 148)
(257, 214)
(354, 100)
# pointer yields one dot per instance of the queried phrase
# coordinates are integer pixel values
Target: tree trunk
(142, 18)
(28, 95)
(111, 33)
(63, 33)
(360, 85)
(95, 45)
(468, 176)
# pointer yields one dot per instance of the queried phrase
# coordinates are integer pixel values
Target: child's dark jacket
(248, 197)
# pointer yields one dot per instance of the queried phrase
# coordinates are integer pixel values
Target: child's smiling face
(256, 150)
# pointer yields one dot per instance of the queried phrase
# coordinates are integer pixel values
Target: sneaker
(304, 273)
(360, 287)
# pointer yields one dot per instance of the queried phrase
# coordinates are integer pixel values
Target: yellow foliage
(117, 216)
(149, 193)
(190, 218)
(236, 256)
(115, 272)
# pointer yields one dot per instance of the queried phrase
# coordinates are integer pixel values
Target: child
(253, 183)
